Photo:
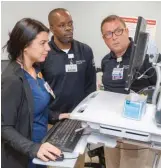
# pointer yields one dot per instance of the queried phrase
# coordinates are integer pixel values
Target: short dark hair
(111, 18)
(55, 11)
(23, 33)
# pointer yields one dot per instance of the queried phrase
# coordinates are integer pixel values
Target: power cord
(141, 75)
(146, 76)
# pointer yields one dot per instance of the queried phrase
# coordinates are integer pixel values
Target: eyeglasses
(117, 32)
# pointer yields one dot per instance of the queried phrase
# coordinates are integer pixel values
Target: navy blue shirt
(109, 62)
(69, 87)
(40, 116)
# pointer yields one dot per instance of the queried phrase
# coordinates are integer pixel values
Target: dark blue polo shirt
(109, 62)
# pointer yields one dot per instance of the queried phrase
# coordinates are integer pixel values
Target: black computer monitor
(138, 52)
(140, 27)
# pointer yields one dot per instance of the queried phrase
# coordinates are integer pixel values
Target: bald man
(69, 68)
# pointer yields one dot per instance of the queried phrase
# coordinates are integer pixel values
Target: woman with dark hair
(25, 98)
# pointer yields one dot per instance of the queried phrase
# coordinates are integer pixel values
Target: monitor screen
(138, 52)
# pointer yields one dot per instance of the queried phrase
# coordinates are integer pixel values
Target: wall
(87, 18)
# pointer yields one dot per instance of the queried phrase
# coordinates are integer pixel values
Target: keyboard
(63, 135)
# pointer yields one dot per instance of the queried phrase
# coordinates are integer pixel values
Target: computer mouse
(60, 158)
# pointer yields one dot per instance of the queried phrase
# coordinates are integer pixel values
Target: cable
(150, 76)
(138, 73)
(141, 75)
(145, 73)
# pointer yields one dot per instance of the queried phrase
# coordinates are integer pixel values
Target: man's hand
(64, 115)
(47, 152)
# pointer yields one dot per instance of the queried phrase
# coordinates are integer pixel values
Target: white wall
(87, 18)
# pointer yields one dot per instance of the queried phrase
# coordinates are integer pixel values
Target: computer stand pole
(157, 92)
(157, 67)
(156, 99)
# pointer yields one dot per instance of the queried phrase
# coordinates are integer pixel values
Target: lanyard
(119, 59)
(71, 56)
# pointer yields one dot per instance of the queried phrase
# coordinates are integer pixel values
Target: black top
(17, 118)
(69, 87)
(109, 62)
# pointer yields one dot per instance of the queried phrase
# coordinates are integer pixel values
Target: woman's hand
(64, 115)
(48, 152)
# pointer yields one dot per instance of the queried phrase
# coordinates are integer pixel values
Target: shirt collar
(74, 47)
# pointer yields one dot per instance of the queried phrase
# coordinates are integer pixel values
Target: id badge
(70, 56)
(71, 68)
(117, 73)
(49, 90)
